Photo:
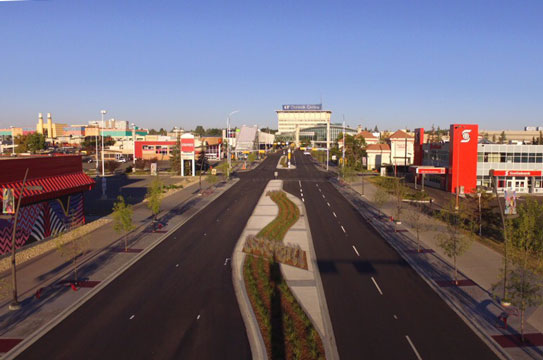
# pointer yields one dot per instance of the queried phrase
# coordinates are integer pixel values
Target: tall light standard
(203, 149)
(12, 139)
(133, 146)
(96, 143)
(103, 112)
(228, 142)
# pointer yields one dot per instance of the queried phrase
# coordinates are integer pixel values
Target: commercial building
(52, 200)
(316, 135)
(293, 117)
(50, 130)
(464, 164)
(378, 155)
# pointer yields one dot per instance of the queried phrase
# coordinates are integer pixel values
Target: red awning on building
(50, 187)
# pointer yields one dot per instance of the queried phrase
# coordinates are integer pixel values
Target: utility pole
(228, 143)
(14, 303)
(343, 154)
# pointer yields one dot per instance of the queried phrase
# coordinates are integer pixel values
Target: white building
(401, 148)
(293, 117)
(378, 155)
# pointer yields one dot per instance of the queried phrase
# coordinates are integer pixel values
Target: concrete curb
(256, 342)
(28, 341)
(280, 167)
(473, 325)
(329, 339)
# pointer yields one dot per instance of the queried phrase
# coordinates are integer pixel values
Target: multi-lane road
(178, 301)
(379, 307)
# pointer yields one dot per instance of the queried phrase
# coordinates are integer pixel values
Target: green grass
(287, 331)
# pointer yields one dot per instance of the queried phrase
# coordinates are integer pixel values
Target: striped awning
(49, 187)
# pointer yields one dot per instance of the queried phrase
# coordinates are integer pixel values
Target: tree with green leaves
(399, 190)
(458, 234)
(525, 278)
(213, 132)
(222, 168)
(200, 131)
(30, 143)
(503, 138)
(251, 157)
(154, 196)
(175, 157)
(122, 219)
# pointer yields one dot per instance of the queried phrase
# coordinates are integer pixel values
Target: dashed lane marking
(198, 317)
(226, 261)
(131, 317)
(327, 203)
(334, 214)
(377, 286)
(395, 317)
(342, 228)
(413, 347)
(356, 251)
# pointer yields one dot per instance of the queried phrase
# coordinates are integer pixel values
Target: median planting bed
(287, 331)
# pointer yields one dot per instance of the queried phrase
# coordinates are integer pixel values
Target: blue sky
(165, 63)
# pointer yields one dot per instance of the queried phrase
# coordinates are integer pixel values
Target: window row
(502, 157)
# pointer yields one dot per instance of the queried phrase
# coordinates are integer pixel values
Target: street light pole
(228, 143)
(133, 147)
(103, 112)
(203, 149)
(12, 139)
(15, 304)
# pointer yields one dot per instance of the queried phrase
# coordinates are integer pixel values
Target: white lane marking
(377, 286)
(320, 190)
(334, 214)
(176, 265)
(342, 228)
(328, 203)
(300, 183)
(323, 196)
(303, 200)
(131, 317)
(395, 317)
(317, 185)
(356, 251)
(413, 347)
(198, 317)
(226, 261)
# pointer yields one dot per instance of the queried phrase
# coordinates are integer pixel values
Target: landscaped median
(277, 282)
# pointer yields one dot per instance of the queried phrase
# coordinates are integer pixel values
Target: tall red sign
(463, 158)
(419, 140)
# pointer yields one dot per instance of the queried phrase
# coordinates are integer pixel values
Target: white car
(307, 153)
(121, 160)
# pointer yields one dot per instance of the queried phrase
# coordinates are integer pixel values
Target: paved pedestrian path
(44, 284)
(305, 284)
(479, 270)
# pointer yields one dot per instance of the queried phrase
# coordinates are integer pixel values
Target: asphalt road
(177, 302)
(379, 307)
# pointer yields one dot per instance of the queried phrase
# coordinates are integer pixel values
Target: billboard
(510, 202)
(303, 107)
(463, 157)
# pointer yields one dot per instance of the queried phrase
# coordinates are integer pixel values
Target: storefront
(52, 199)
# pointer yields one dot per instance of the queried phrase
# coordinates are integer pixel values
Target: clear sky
(165, 63)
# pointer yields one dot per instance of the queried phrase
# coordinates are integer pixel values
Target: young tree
(526, 253)
(222, 168)
(459, 229)
(122, 219)
(417, 220)
(380, 197)
(72, 250)
(154, 196)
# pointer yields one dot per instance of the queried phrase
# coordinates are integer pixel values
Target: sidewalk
(479, 268)
(305, 284)
(44, 285)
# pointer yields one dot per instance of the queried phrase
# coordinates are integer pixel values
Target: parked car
(121, 160)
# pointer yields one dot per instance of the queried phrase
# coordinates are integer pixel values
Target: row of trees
(521, 280)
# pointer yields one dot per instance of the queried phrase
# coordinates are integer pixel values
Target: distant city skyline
(393, 64)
